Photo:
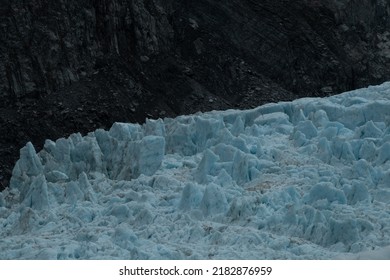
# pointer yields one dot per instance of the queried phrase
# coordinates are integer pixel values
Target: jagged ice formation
(307, 179)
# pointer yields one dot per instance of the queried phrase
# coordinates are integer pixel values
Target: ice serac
(36, 196)
(303, 179)
(326, 191)
(133, 153)
(28, 179)
(28, 166)
(214, 201)
(151, 153)
(191, 197)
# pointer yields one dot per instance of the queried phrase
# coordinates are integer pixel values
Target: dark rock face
(49, 45)
(76, 65)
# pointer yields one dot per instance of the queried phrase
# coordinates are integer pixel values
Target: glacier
(307, 179)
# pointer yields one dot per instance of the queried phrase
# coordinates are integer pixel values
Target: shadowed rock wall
(76, 65)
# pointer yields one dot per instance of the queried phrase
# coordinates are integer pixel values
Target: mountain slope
(70, 65)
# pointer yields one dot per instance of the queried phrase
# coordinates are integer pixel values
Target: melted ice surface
(308, 179)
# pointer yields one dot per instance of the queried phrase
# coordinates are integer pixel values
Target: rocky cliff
(75, 65)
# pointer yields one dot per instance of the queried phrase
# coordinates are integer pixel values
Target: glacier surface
(308, 179)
